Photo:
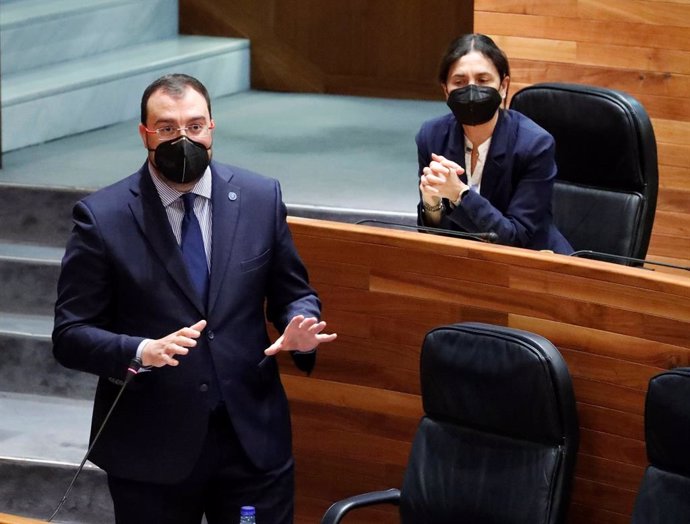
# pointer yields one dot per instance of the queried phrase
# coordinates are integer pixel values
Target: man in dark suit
(180, 265)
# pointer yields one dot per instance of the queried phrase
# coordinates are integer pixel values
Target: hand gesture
(162, 352)
(441, 179)
(301, 334)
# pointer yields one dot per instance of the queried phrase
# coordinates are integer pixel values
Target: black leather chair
(606, 189)
(664, 496)
(498, 439)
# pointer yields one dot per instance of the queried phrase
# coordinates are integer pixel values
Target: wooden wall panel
(638, 46)
(12, 519)
(355, 417)
(384, 48)
(594, 31)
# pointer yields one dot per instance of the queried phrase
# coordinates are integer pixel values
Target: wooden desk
(382, 290)
(11, 519)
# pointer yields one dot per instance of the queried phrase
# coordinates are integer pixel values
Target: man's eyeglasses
(192, 130)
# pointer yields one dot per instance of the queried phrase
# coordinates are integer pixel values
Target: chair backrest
(664, 496)
(499, 436)
(606, 188)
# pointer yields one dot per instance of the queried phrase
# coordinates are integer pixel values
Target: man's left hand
(301, 334)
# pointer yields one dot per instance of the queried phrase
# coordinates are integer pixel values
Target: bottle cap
(247, 511)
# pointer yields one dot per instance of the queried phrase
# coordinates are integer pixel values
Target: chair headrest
(499, 380)
(592, 126)
(667, 421)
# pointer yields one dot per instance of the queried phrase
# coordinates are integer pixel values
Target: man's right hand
(162, 352)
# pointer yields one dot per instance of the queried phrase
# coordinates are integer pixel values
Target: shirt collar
(482, 149)
(168, 195)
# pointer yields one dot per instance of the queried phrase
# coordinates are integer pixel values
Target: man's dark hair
(473, 42)
(174, 85)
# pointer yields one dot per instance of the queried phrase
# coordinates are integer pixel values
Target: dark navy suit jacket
(517, 183)
(123, 279)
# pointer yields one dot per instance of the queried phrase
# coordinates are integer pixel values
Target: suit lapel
(493, 168)
(456, 146)
(150, 215)
(225, 198)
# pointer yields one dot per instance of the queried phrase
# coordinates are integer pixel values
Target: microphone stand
(132, 370)
(489, 237)
(586, 253)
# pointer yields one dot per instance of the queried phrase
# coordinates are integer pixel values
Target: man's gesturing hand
(301, 334)
(162, 352)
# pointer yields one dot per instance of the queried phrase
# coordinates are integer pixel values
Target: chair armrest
(338, 510)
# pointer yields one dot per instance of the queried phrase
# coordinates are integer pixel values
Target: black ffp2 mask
(473, 105)
(181, 160)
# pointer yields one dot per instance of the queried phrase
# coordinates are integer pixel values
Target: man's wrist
(140, 352)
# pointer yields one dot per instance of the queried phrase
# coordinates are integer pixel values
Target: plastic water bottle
(247, 515)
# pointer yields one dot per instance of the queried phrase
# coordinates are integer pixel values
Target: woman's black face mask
(473, 105)
(181, 160)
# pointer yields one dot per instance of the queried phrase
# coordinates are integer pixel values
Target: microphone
(132, 369)
(606, 257)
(489, 237)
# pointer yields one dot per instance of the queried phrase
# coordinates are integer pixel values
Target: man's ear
(144, 135)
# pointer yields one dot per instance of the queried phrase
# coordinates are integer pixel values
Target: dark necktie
(192, 245)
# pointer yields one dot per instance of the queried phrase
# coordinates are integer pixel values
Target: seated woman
(483, 168)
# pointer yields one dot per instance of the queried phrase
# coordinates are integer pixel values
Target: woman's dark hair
(473, 42)
(175, 86)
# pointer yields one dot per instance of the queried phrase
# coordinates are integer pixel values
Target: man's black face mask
(473, 105)
(181, 160)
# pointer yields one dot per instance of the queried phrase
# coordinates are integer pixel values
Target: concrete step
(37, 215)
(33, 488)
(28, 278)
(27, 364)
(44, 428)
(42, 441)
(37, 33)
(71, 97)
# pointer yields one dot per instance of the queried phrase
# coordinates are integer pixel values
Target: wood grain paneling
(604, 497)
(355, 417)
(672, 203)
(611, 421)
(638, 46)
(383, 48)
(674, 177)
(607, 395)
(12, 519)
(604, 32)
(609, 472)
(581, 513)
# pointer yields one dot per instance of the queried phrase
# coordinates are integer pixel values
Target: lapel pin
(232, 195)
